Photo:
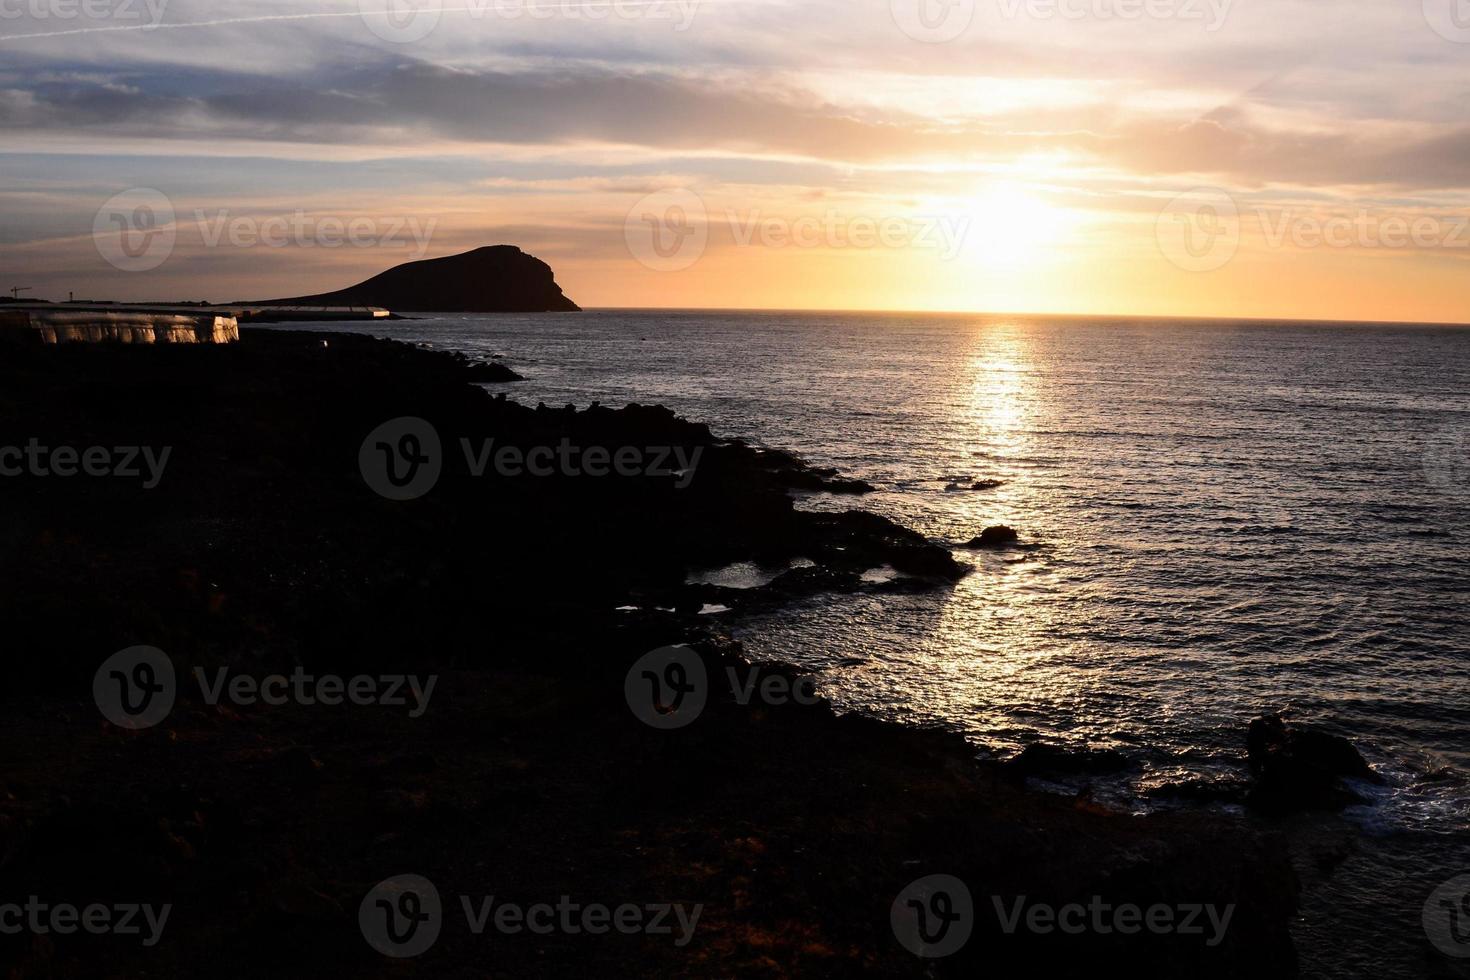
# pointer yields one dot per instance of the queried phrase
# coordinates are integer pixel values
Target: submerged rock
(1203, 789)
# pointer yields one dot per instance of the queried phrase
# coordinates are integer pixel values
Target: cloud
(391, 103)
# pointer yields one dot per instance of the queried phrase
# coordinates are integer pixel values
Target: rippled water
(1230, 518)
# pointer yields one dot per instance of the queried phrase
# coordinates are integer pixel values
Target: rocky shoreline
(263, 550)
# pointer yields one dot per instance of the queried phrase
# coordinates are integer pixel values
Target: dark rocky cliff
(493, 279)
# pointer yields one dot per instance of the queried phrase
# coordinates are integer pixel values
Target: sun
(1009, 227)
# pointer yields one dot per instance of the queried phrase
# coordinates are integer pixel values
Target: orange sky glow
(1174, 157)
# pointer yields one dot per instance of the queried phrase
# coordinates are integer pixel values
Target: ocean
(1221, 519)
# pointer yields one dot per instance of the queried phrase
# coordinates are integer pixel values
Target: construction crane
(15, 291)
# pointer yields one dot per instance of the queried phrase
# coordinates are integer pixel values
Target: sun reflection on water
(983, 636)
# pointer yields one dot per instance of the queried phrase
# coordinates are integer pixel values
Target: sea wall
(131, 327)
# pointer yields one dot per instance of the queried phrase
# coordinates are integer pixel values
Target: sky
(1255, 158)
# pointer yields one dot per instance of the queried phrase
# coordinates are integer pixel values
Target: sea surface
(1222, 519)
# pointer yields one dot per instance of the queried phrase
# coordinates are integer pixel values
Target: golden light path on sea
(994, 642)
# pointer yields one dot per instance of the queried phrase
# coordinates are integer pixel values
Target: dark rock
(494, 279)
(792, 472)
(296, 899)
(1042, 759)
(297, 766)
(814, 580)
(958, 486)
(998, 536)
(508, 588)
(1222, 789)
(1302, 769)
(491, 373)
(855, 488)
(857, 541)
(11, 838)
(1443, 774)
(413, 763)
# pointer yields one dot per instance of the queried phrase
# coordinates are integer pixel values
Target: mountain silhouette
(492, 279)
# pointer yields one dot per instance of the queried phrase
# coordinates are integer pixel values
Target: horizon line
(1017, 313)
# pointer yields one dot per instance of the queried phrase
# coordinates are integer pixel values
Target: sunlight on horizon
(1011, 229)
